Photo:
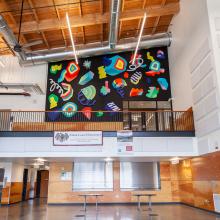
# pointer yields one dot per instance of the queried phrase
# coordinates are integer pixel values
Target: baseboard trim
(113, 204)
(206, 210)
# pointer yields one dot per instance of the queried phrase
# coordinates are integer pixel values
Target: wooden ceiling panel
(90, 7)
(45, 19)
(132, 4)
(129, 28)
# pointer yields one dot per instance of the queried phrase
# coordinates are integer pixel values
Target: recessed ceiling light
(40, 159)
(108, 159)
(175, 160)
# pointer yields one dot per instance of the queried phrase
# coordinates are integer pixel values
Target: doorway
(2, 173)
(143, 115)
(25, 180)
(42, 184)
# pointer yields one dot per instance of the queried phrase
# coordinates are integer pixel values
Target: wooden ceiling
(45, 20)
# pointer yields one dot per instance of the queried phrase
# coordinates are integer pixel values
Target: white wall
(143, 147)
(189, 30)
(8, 167)
(14, 73)
(194, 64)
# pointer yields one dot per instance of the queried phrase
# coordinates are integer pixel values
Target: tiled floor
(38, 210)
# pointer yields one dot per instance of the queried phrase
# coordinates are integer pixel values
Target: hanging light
(71, 36)
(139, 38)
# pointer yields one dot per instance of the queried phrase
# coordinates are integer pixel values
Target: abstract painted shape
(102, 73)
(139, 62)
(69, 92)
(87, 111)
(86, 95)
(86, 78)
(106, 61)
(152, 92)
(105, 90)
(154, 73)
(119, 84)
(111, 106)
(72, 71)
(136, 77)
(149, 81)
(99, 114)
(54, 115)
(149, 57)
(55, 68)
(89, 92)
(55, 86)
(163, 83)
(53, 100)
(136, 92)
(69, 109)
(126, 75)
(155, 66)
(62, 76)
(87, 64)
(160, 55)
(118, 65)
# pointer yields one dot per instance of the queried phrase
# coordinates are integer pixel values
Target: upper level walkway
(138, 121)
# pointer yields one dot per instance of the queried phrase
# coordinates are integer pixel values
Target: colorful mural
(102, 83)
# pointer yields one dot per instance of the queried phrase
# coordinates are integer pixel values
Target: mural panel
(102, 83)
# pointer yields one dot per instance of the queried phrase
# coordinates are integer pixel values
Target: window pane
(139, 175)
(163, 105)
(142, 105)
(93, 176)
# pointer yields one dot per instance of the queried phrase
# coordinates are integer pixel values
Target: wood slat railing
(106, 121)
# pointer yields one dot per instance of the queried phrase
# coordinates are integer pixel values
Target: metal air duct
(114, 23)
(10, 37)
(61, 54)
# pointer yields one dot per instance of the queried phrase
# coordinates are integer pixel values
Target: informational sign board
(77, 138)
(125, 142)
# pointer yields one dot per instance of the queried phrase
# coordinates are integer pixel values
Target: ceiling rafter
(58, 16)
(140, 21)
(102, 25)
(82, 28)
(120, 25)
(31, 4)
(92, 19)
(6, 7)
(163, 3)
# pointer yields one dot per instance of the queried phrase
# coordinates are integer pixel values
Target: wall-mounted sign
(66, 176)
(77, 138)
(85, 91)
(125, 142)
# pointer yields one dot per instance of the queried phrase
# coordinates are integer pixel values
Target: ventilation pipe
(10, 37)
(114, 23)
(94, 50)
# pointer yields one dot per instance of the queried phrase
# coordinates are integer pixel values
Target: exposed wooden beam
(82, 28)
(6, 7)
(102, 25)
(139, 23)
(120, 25)
(158, 18)
(92, 19)
(37, 20)
(58, 16)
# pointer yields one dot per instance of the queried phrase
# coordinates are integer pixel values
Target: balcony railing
(155, 121)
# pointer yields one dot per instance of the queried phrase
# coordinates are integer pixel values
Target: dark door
(25, 179)
(38, 184)
(2, 173)
(44, 183)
